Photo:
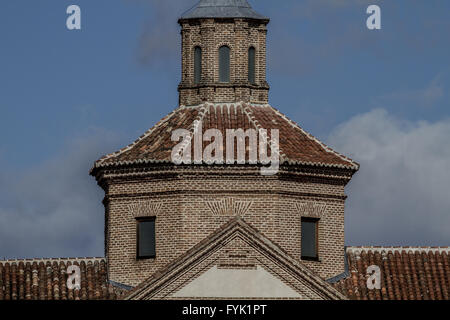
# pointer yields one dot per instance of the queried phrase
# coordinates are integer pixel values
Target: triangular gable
(235, 262)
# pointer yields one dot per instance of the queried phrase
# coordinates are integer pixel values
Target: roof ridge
(195, 125)
(355, 249)
(52, 259)
(255, 122)
(313, 138)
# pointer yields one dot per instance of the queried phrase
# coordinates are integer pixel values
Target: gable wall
(236, 255)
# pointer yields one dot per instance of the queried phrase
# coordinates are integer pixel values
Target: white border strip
(358, 250)
(45, 260)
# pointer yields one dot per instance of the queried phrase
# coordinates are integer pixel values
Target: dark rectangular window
(251, 65)
(224, 64)
(146, 243)
(310, 230)
(197, 65)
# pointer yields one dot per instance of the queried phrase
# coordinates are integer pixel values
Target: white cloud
(401, 196)
(55, 209)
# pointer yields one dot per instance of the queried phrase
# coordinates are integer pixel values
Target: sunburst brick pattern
(229, 207)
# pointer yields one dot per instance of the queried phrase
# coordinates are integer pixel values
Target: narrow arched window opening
(251, 65)
(197, 65)
(224, 64)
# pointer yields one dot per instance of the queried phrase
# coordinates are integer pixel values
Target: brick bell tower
(223, 53)
(157, 211)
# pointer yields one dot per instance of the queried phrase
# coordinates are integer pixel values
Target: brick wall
(190, 204)
(210, 35)
(248, 258)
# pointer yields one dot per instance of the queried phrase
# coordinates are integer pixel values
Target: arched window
(251, 65)
(197, 65)
(224, 64)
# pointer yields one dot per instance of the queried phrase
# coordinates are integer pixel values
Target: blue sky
(67, 97)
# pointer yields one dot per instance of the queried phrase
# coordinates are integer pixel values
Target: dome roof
(296, 147)
(222, 9)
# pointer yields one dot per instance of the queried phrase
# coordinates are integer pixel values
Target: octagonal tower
(223, 40)
(223, 53)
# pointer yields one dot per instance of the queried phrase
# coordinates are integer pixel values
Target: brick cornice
(227, 171)
(225, 193)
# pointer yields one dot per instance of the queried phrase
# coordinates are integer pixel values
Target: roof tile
(46, 279)
(296, 145)
(406, 273)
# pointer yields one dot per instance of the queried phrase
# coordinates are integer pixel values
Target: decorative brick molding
(229, 207)
(224, 43)
(236, 244)
(196, 200)
(236, 255)
(145, 209)
(311, 209)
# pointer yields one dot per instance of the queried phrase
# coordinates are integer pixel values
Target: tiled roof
(46, 279)
(222, 9)
(296, 145)
(407, 273)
